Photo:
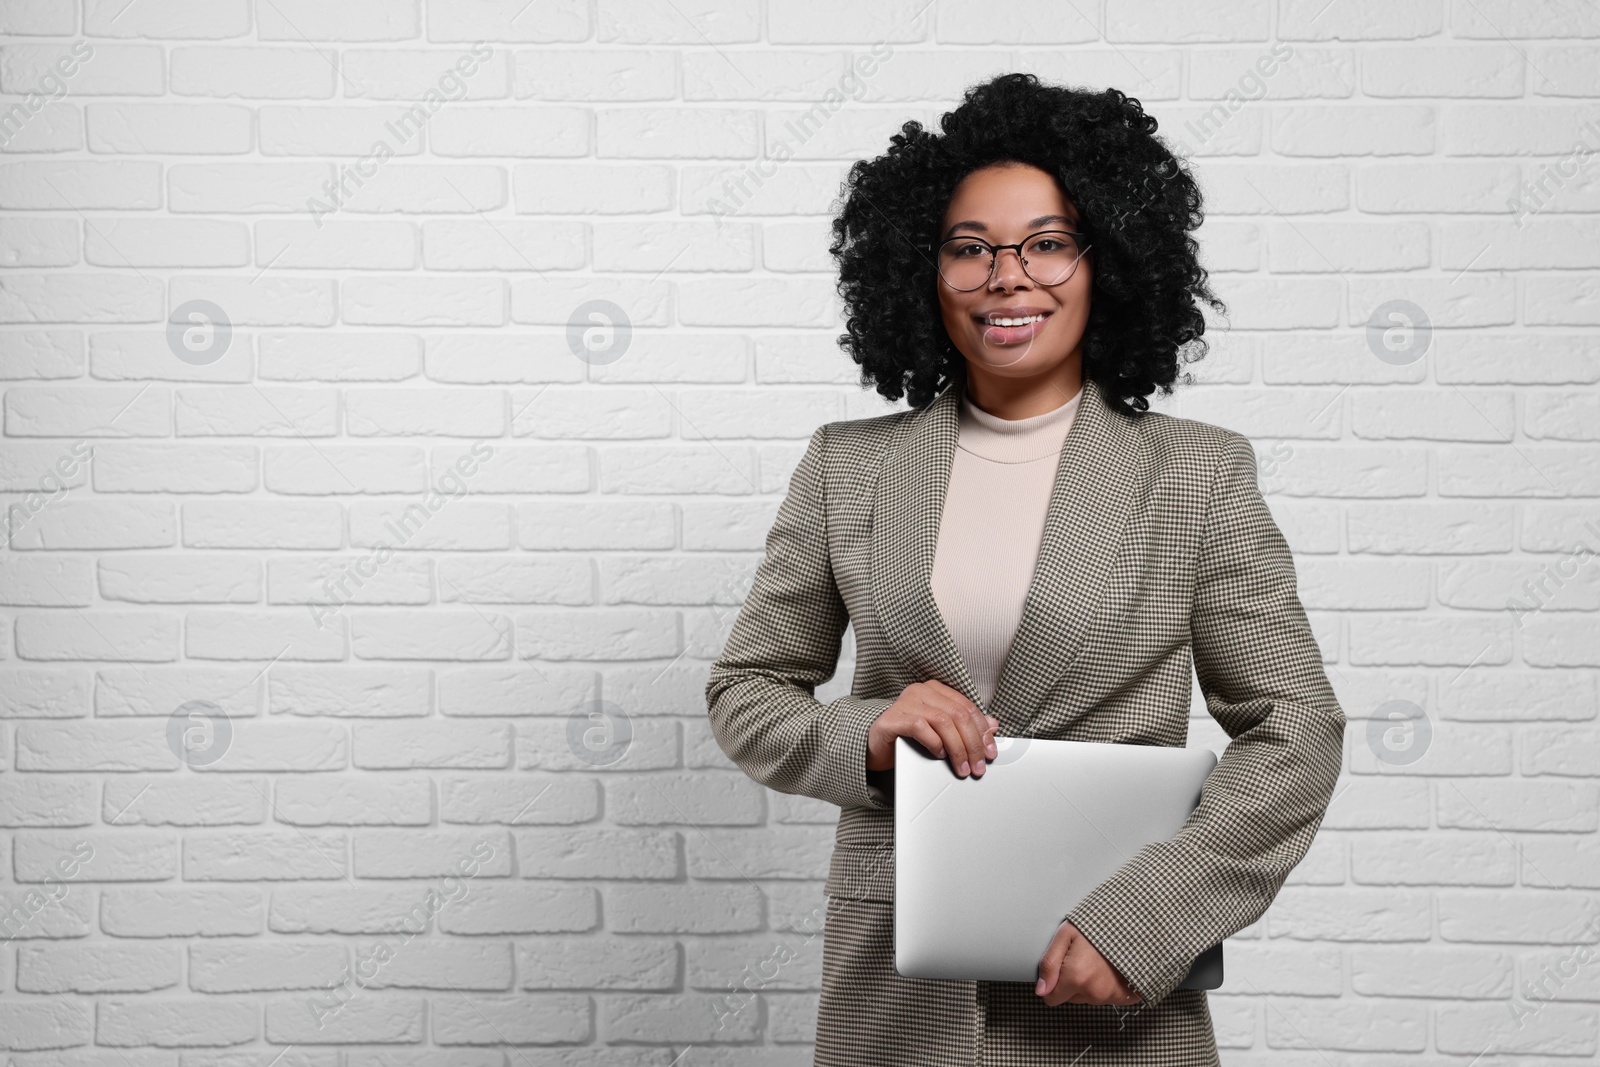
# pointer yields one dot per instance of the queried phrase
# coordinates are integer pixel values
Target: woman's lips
(1010, 335)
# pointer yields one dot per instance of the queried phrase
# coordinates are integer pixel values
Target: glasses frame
(994, 257)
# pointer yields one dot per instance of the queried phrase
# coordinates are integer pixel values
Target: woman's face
(1005, 204)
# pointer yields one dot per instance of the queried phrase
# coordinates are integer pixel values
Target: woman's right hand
(942, 720)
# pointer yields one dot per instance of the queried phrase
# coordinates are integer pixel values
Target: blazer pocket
(861, 872)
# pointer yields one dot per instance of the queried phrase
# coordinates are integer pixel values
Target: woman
(1030, 551)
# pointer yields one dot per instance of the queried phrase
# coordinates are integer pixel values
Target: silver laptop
(986, 869)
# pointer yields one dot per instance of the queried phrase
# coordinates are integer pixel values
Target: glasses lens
(1049, 259)
(965, 264)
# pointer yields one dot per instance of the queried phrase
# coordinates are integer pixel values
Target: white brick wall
(383, 549)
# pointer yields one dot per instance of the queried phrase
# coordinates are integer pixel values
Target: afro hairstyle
(1137, 202)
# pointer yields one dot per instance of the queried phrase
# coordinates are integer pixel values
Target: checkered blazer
(1157, 547)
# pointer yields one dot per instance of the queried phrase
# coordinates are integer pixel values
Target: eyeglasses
(1049, 257)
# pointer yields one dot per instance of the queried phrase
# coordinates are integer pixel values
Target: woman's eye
(1052, 245)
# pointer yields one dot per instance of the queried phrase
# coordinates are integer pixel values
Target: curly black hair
(1137, 203)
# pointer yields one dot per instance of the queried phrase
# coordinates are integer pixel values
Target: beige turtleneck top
(991, 530)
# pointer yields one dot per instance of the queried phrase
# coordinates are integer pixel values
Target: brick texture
(353, 629)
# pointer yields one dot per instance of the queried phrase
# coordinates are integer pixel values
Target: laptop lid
(986, 869)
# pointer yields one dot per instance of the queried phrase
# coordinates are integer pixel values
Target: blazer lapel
(1102, 464)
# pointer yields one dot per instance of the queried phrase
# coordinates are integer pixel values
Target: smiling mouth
(1011, 320)
(1008, 330)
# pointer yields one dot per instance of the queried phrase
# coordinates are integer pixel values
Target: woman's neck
(1023, 398)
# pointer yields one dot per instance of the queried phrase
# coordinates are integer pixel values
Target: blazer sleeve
(1262, 676)
(784, 643)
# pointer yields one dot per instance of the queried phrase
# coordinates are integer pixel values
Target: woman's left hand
(1073, 972)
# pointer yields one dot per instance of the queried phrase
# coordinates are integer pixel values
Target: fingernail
(963, 770)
